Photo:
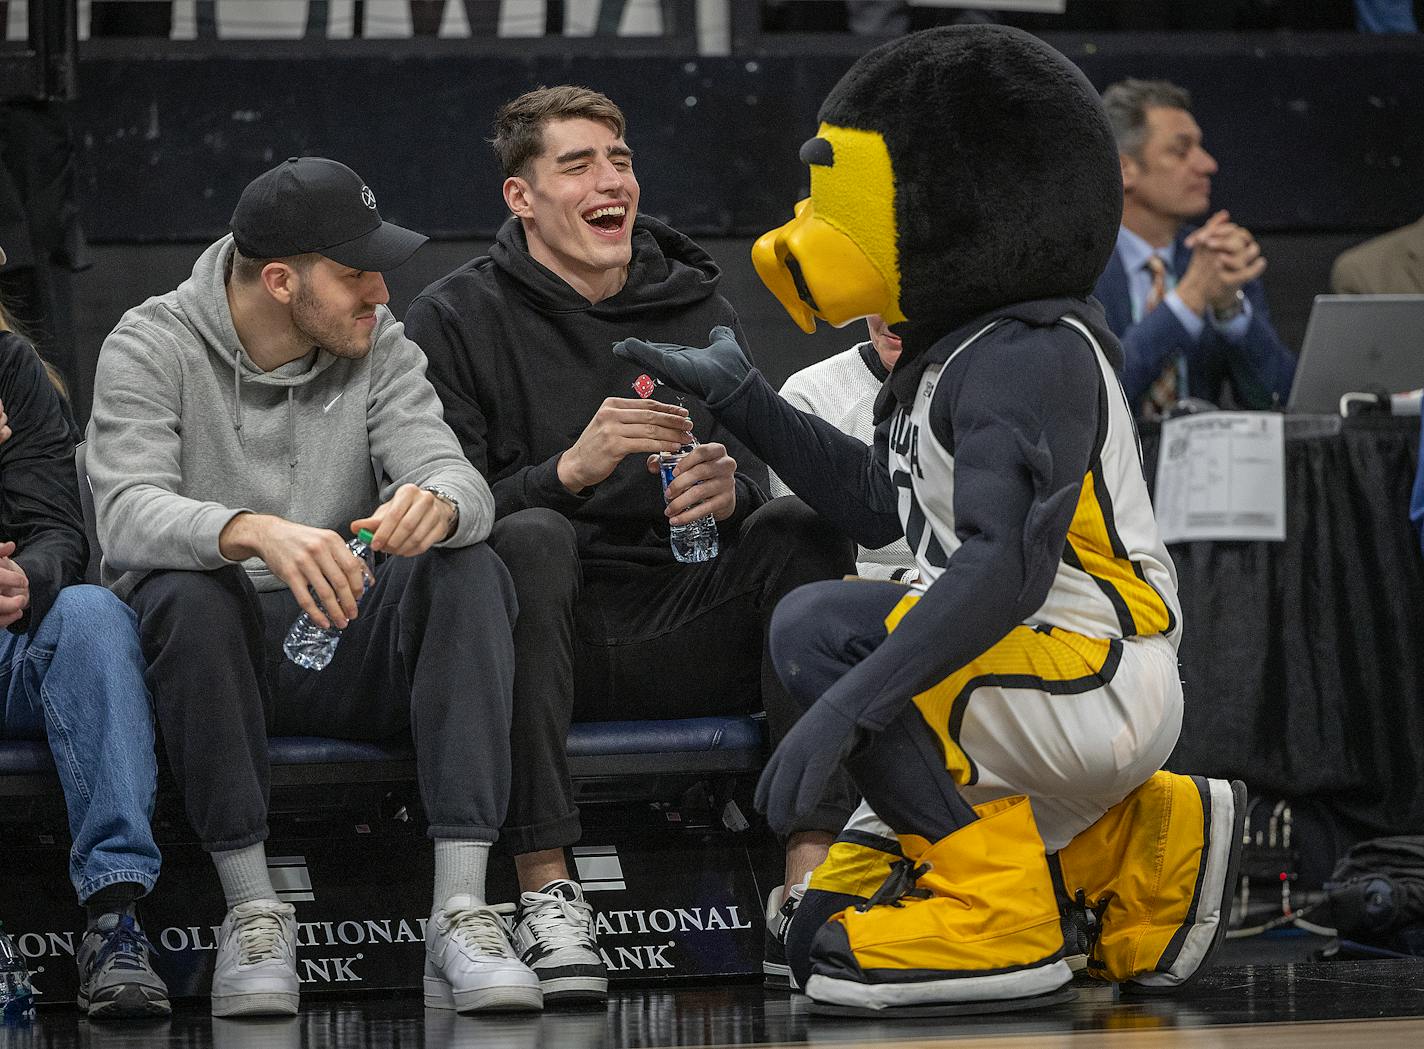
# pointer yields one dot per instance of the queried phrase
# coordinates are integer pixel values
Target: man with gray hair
(1187, 302)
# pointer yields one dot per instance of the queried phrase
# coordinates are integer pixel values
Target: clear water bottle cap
(365, 535)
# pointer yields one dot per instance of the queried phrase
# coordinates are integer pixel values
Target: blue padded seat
(19, 757)
(586, 740)
(726, 744)
(681, 736)
(314, 750)
(597, 750)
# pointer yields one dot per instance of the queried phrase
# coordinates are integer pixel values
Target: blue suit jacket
(1258, 372)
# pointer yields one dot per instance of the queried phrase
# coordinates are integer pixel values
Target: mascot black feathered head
(955, 171)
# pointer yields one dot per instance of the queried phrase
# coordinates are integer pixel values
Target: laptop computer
(1358, 343)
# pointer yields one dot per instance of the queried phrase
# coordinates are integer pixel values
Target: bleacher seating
(716, 748)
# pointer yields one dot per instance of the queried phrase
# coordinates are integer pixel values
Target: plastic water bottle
(17, 997)
(311, 646)
(690, 542)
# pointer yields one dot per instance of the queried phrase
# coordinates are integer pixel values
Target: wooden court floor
(1302, 1005)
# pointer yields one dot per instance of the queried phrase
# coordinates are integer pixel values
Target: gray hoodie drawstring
(237, 396)
(292, 456)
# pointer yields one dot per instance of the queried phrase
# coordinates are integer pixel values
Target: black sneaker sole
(128, 1001)
(568, 990)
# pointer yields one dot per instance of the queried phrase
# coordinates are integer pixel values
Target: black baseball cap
(311, 204)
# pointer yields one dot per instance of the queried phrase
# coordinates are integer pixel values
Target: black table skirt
(1301, 659)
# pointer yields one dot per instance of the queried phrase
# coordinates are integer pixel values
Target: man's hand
(409, 523)
(1225, 258)
(622, 426)
(14, 584)
(712, 373)
(796, 775)
(306, 559)
(704, 482)
(5, 430)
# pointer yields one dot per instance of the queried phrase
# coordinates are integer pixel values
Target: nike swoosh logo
(334, 400)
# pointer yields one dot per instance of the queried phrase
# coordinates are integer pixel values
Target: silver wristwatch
(443, 494)
(1231, 312)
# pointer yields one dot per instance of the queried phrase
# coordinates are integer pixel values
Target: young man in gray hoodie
(244, 427)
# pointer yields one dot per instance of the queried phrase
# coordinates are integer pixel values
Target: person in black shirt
(611, 627)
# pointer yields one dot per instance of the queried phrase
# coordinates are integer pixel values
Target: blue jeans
(79, 678)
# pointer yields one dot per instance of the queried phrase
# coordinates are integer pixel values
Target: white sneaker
(555, 938)
(469, 963)
(256, 969)
(775, 970)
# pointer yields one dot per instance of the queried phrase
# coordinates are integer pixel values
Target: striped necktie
(1168, 387)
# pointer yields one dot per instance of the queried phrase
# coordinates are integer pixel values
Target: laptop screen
(1358, 343)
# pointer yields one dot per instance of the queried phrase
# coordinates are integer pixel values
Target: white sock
(460, 870)
(244, 875)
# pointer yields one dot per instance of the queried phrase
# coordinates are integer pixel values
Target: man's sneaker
(256, 969)
(116, 977)
(469, 963)
(1081, 927)
(775, 970)
(554, 937)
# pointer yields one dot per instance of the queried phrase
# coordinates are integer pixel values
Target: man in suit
(1186, 302)
(1392, 264)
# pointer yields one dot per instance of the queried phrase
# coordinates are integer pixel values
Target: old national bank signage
(666, 907)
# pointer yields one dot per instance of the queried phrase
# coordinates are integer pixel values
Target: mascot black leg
(819, 632)
(883, 925)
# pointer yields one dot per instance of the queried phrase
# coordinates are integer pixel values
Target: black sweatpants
(666, 641)
(430, 657)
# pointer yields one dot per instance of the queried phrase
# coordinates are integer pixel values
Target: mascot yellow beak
(837, 259)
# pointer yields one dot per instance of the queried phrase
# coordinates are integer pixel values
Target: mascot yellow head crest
(955, 171)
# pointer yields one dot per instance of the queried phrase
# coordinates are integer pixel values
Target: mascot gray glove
(711, 374)
(796, 775)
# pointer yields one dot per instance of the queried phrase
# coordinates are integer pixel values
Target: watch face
(440, 493)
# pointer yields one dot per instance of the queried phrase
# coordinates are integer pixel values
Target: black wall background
(1320, 138)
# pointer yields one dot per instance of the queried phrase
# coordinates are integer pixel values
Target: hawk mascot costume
(1007, 718)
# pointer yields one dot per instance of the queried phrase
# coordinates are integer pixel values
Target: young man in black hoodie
(611, 627)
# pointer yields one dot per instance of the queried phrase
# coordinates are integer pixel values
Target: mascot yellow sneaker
(968, 924)
(1147, 889)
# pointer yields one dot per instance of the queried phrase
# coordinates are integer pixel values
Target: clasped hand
(1225, 258)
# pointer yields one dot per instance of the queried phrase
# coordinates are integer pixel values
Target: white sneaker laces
(556, 921)
(481, 928)
(260, 935)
